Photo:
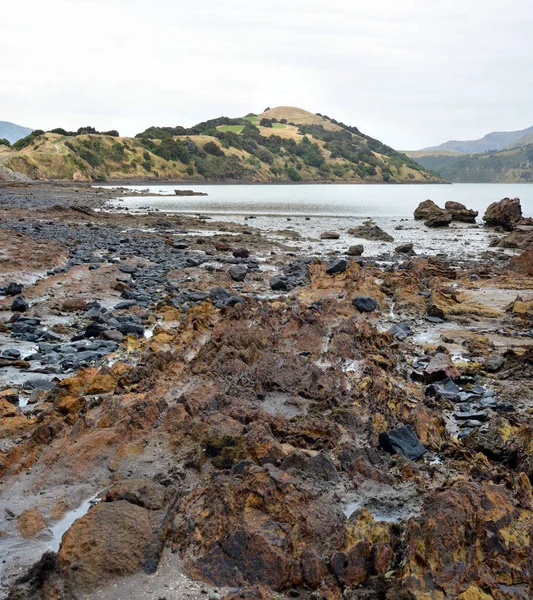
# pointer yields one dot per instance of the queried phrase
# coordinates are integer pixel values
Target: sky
(412, 73)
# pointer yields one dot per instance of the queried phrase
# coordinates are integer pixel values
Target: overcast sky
(411, 73)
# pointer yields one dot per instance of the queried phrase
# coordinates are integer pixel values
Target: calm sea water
(328, 200)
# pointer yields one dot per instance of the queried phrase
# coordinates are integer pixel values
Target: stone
(460, 213)
(128, 269)
(74, 304)
(356, 250)
(238, 272)
(125, 304)
(440, 367)
(494, 363)
(222, 247)
(401, 331)
(427, 209)
(113, 335)
(402, 440)
(406, 248)
(19, 304)
(279, 283)
(506, 213)
(370, 231)
(329, 235)
(439, 220)
(14, 289)
(337, 266)
(365, 304)
(523, 264)
(241, 253)
(30, 522)
(141, 492)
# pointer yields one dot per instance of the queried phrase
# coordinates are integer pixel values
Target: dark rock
(494, 363)
(365, 304)
(128, 269)
(478, 416)
(279, 283)
(370, 231)
(337, 266)
(440, 220)
(113, 335)
(19, 304)
(14, 289)
(506, 213)
(125, 304)
(131, 328)
(329, 235)
(180, 244)
(402, 440)
(241, 253)
(460, 213)
(238, 272)
(426, 210)
(406, 248)
(356, 250)
(11, 353)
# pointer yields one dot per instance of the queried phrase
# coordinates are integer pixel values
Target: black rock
(19, 304)
(365, 304)
(494, 363)
(11, 353)
(279, 283)
(241, 253)
(127, 269)
(14, 289)
(94, 330)
(125, 304)
(132, 328)
(337, 266)
(401, 331)
(478, 416)
(402, 440)
(238, 272)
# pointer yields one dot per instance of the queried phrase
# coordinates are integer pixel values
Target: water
(327, 200)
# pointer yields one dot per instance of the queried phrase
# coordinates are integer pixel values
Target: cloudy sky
(412, 73)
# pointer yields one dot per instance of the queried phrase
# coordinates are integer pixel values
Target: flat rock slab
(402, 440)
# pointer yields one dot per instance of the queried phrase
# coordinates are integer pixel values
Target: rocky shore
(198, 409)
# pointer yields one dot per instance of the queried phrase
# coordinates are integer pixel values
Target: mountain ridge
(13, 132)
(495, 140)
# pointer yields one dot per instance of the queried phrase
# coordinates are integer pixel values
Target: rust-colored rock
(73, 304)
(426, 210)
(523, 264)
(30, 522)
(460, 213)
(506, 213)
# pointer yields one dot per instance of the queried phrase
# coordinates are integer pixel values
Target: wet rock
(238, 272)
(440, 220)
(523, 264)
(402, 440)
(506, 213)
(356, 250)
(74, 304)
(460, 213)
(241, 253)
(406, 248)
(440, 367)
(365, 304)
(336, 266)
(371, 231)
(426, 210)
(19, 304)
(329, 235)
(11, 353)
(494, 363)
(401, 331)
(13, 289)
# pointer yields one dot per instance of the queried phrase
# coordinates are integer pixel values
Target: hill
(280, 144)
(12, 132)
(514, 165)
(492, 141)
(523, 141)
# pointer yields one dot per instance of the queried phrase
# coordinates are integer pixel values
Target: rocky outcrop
(523, 264)
(371, 231)
(460, 213)
(506, 213)
(426, 210)
(439, 220)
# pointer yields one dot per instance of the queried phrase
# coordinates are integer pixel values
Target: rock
(30, 522)
(128, 269)
(401, 331)
(440, 367)
(113, 539)
(523, 264)
(402, 440)
(189, 193)
(506, 213)
(14, 289)
(180, 244)
(125, 304)
(365, 304)
(356, 250)
(329, 235)
(11, 353)
(241, 253)
(238, 272)
(406, 248)
(440, 220)
(19, 304)
(370, 231)
(494, 363)
(427, 209)
(460, 213)
(478, 416)
(133, 328)
(141, 492)
(222, 246)
(113, 335)
(73, 304)
(337, 266)
(279, 283)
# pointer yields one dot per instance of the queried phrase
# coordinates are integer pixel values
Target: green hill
(514, 165)
(281, 144)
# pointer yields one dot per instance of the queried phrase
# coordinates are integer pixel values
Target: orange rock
(30, 522)
(101, 384)
(73, 304)
(68, 404)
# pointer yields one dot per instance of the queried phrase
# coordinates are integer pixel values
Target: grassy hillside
(505, 166)
(281, 144)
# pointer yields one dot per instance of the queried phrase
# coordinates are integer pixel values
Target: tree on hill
(214, 149)
(4, 142)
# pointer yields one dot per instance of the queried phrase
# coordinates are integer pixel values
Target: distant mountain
(523, 141)
(513, 165)
(492, 141)
(280, 144)
(12, 132)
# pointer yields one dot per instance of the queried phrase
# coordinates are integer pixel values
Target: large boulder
(439, 220)
(426, 210)
(506, 213)
(523, 264)
(459, 212)
(370, 231)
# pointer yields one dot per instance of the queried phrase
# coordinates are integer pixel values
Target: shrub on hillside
(4, 142)
(293, 174)
(28, 140)
(213, 149)
(265, 122)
